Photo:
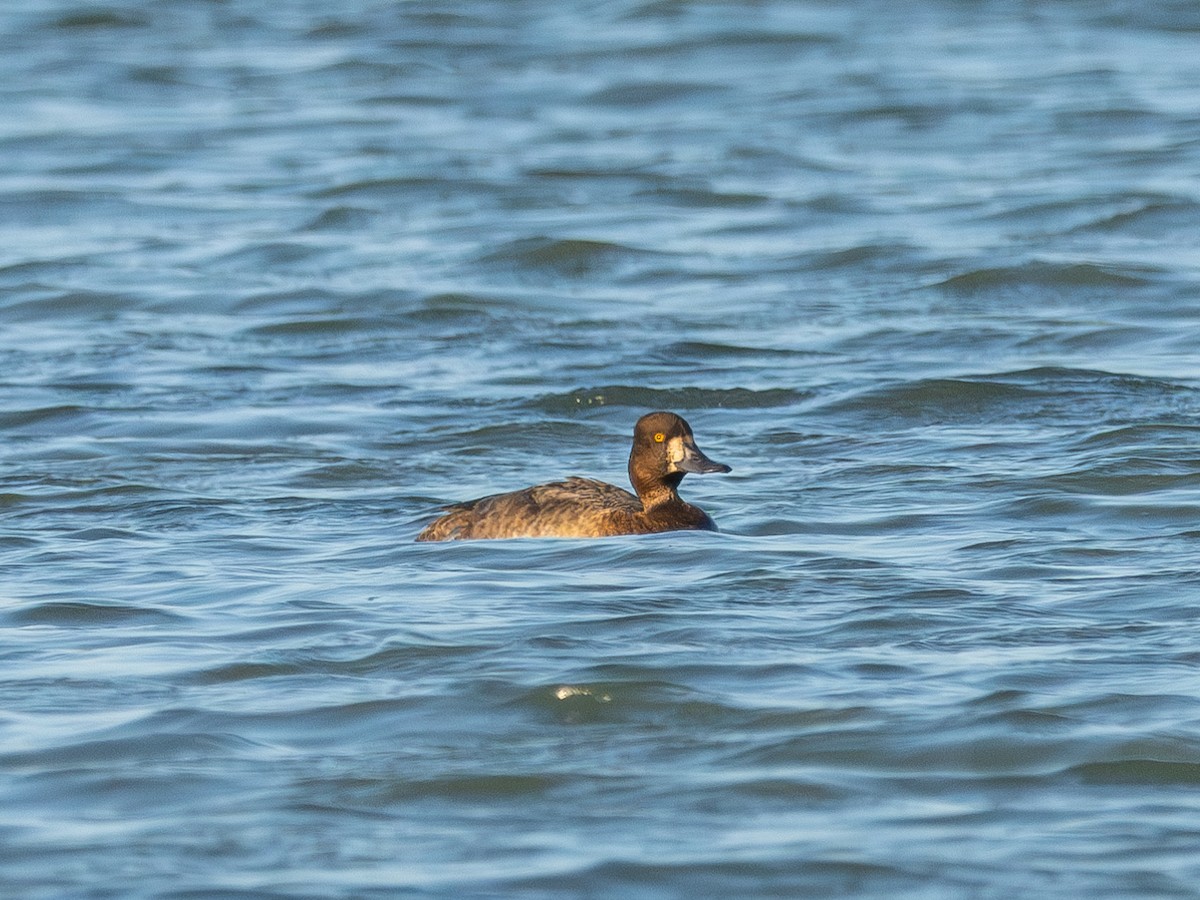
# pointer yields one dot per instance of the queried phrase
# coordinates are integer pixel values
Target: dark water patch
(903, 341)
(131, 793)
(751, 877)
(641, 94)
(544, 257)
(78, 614)
(99, 18)
(16, 542)
(874, 256)
(72, 306)
(931, 401)
(1126, 477)
(1145, 772)
(1026, 395)
(776, 528)
(53, 419)
(459, 306)
(53, 207)
(1122, 122)
(1038, 278)
(703, 198)
(738, 37)
(473, 788)
(618, 178)
(388, 191)
(783, 792)
(83, 495)
(1062, 215)
(391, 660)
(39, 277)
(981, 749)
(654, 398)
(91, 535)
(314, 302)
(1032, 721)
(1177, 16)
(836, 205)
(915, 116)
(92, 386)
(277, 255)
(468, 439)
(1045, 507)
(1006, 699)
(160, 75)
(244, 671)
(341, 218)
(1103, 340)
(1063, 377)
(369, 71)
(1164, 437)
(710, 352)
(1150, 218)
(380, 719)
(149, 748)
(331, 326)
(341, 474)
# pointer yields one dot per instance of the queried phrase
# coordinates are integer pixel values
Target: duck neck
(658, 492)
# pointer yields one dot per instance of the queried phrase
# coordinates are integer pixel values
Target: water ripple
(275, 287)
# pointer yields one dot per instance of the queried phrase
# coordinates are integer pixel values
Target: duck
(664, 450)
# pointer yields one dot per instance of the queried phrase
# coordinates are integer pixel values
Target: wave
(935, 400)
(1153, 217)
(1022, 394)
(73, 305)
(644, 398)
(1040, 274)
(1157, 435)
(1139, 771)
(85, 615)
(565, 257)
(101, 19)
(639, 94)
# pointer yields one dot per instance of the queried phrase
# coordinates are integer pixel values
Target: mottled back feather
(576, 507)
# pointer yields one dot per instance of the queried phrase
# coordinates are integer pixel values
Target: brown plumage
(663, 452)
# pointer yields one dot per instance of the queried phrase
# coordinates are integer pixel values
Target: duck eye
(659, 437)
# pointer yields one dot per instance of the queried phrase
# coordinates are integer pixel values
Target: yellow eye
(659, 437)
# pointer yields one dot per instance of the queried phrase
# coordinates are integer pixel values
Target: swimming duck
(663, 452)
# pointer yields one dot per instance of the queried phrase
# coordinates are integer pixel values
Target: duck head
(664, 450)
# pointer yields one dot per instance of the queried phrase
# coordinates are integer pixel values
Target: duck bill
(690, 459)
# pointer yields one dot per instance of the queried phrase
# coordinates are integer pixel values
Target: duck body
(575, 507)
(664, 450)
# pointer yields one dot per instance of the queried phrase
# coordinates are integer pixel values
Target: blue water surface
(279, 280)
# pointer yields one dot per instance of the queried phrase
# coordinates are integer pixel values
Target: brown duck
(663, 452)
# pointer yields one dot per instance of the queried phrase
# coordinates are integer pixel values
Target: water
(278, 280)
